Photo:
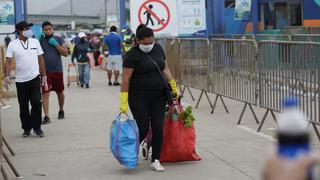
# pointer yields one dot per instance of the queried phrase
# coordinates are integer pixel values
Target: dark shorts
(55, 82)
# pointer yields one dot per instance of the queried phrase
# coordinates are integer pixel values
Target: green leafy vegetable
(187, 117)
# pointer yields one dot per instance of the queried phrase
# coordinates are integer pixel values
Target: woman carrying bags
(144, 85)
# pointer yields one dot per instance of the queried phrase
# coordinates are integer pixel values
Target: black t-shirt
(145, 74)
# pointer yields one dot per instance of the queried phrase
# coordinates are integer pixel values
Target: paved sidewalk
(76, 148)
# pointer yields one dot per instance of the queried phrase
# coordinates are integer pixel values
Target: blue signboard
(311, 9)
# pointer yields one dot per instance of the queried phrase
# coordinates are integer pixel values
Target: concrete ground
(77, 148)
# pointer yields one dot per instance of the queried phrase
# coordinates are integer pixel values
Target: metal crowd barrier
(233, 71)
(257, 37)
(294, 30)
(3, 155)
(306, 37)
(3, 94)
(301, 30)
(233, 36)
(173, 57)
(289, 69)
(162, 42)
(194, 64)
(314, 30)
(239, 70)
(275, 37)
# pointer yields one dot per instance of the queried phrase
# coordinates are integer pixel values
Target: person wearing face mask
(27, 53)
(81, 49)
(145, 76)
(53, 47)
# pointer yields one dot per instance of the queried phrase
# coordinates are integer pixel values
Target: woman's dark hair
(46, 23)
(144, 32)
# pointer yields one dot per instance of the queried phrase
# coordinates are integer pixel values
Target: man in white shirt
(27, 53)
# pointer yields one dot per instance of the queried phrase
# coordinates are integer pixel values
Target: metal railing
(233, 36)
(173, 56)
(275, 37)
(193, 64)
(294, 30)
(306, 37)
(233, 71)
(232, 68)
(292, 70)
(162, 42)
(3, 94)
(3, 154)
(257, 74)
(314, 30)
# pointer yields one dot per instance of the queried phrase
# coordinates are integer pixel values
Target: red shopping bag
(179, 141)
(100, 59)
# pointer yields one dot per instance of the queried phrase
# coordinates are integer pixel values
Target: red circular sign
(164, 24)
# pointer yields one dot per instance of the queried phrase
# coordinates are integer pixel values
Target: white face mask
(27, 33)
(146, 48)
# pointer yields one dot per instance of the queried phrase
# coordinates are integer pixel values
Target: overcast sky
(62, 7)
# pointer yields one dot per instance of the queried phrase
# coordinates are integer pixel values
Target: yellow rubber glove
(175, 91)
(123, 102)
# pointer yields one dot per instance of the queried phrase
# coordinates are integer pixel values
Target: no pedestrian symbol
(154, 14)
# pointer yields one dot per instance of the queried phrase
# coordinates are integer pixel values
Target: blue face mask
(27, 33)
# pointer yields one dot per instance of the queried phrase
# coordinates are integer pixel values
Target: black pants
(30, 92)
(148, 107)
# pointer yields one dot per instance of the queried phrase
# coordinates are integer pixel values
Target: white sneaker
(157, 166)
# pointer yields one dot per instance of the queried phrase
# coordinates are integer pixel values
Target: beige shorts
(114, 62)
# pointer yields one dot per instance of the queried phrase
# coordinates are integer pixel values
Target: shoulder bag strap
(160, 72)
(165, 81)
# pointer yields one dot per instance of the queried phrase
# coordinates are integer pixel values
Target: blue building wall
(311, 9)
(20, 10)
(233, 26)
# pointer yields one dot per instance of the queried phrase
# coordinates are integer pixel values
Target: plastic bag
(124, 142)
(178, 140)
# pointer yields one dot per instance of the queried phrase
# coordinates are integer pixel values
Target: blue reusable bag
(124, 142)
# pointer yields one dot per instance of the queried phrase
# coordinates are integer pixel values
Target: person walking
(128, 38)
(143, 86)
(96, 44)
(27, 53)
(53, 47)
(76, 39)
(81, 49)
(114, 60)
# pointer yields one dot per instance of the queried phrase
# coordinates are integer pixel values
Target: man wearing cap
(81, 49)
(53, 47)
(114, 43)
(27, 53)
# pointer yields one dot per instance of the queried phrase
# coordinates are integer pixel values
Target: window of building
(280, 15)
(229, 3)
